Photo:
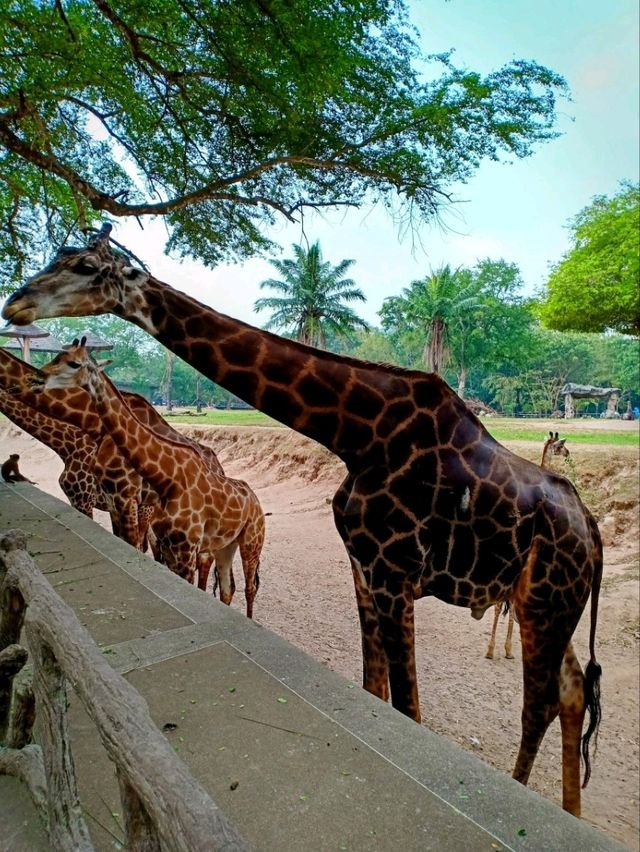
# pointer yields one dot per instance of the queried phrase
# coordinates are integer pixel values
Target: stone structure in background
(571, 392)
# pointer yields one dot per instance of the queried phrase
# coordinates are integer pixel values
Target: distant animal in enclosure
(554, 446)
(11, 471)
(431, 505)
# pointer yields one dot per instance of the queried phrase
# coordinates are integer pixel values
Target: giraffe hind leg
(553, 684)
(572, 712)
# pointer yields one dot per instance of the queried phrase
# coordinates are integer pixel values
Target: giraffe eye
(75, 365)
(83, 267)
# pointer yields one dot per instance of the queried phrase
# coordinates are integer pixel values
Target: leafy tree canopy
(221, 116)
(596, 286)
(313, 292)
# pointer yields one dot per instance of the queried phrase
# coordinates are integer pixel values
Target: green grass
(519, 433)
(213, 417)
(502, 428)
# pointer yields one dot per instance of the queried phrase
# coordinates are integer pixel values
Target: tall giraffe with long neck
(432, 504)
(202, 513)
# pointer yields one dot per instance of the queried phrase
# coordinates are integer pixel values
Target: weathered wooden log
(185, 817)
(12, 659)
(140, 833)
(28, 764)
(68, 831)
(23, 710)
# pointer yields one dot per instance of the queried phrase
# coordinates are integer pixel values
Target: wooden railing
(163, 806)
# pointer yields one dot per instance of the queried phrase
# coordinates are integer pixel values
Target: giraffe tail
(593, 672)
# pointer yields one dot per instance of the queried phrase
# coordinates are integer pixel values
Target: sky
(518, 211)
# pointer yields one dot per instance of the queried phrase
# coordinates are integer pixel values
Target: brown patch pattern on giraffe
(201, 513)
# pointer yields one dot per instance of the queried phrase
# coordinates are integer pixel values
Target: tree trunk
(435, 350)
(168, 382)
(198, 391)
(462, 382)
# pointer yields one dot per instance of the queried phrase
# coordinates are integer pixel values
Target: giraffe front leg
(204, 563)
(375, 669)
(250, 556)
(224, 572)
(180, 557)
(127, 522)
(394, 603)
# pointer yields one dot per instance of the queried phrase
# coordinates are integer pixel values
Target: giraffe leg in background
(492, 641)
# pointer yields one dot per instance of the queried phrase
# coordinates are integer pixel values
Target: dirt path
(307, 596)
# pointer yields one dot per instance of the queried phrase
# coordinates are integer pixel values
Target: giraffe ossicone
(411, 448)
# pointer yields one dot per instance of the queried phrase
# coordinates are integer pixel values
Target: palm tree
(311, 306)
(444, 301)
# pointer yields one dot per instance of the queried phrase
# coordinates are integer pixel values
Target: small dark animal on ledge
(11, 472)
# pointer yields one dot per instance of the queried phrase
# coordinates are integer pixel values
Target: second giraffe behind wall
(202, 514)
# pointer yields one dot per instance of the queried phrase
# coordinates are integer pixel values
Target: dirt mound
(606, 478)
(275, 453)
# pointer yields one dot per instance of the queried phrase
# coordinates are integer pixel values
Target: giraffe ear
(103, 363)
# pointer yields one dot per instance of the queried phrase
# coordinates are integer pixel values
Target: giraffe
(554, 446)
(74, 447)
(431, 504)
(202, 513)
(118, 489)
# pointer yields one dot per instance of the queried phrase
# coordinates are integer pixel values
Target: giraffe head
(73, 368)
(79, 282)
(557, 445)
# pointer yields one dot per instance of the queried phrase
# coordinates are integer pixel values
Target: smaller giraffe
(203, 514)
(553, 446)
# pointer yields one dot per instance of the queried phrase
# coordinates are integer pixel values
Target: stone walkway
(296, 756)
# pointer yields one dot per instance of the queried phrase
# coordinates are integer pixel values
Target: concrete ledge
(295, 755)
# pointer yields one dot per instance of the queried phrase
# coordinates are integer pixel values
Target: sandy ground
(306, 595)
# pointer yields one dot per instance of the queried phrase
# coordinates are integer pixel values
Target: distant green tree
(596, 286)
(313, 292)
(434, 307)
(220, 117)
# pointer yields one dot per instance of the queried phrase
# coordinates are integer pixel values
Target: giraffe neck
(160, 461)
(72, 406)
(337, 401)
(60, 437)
